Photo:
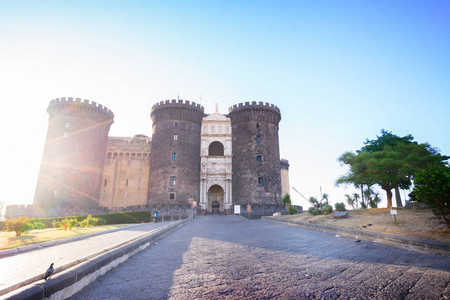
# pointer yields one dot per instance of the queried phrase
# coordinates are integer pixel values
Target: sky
(340, 71)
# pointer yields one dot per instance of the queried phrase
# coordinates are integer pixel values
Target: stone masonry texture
(220, 257)
(255, 133)
(74, 154)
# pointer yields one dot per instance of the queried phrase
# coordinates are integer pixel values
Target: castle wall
(126, 172)
(256, 156)
(74, 153)
(176, 131)
(83, 171)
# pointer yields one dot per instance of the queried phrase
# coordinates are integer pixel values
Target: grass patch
(9, 240)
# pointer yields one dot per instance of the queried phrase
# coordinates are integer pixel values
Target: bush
(56, 224)
(314, 211)
(292, 210)
(340, 206)
(20, 225)
(38, 225)
(432, 186)
(326, 209)
(286, 200)
(68, 223)
(89, 221)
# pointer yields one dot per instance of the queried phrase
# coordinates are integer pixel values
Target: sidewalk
(24, 268)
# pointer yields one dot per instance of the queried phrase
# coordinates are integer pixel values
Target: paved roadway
(219, 257)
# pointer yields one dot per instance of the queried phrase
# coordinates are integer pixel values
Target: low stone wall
(260, 210)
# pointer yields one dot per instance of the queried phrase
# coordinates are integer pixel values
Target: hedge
(111, 218)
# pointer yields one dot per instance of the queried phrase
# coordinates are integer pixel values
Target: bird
(49, 272)
(357, 241)
(369, 224)
(364, 226)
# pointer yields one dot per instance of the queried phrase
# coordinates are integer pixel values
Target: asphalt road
(218, 257)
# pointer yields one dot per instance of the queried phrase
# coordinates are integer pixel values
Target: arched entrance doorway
(215, 199)
(215, 207)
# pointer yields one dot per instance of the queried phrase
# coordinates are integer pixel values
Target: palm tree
(315, 203)
(350, 200)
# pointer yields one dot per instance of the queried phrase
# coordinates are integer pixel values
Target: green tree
(432, 186)
(391, 167)
(286, 200)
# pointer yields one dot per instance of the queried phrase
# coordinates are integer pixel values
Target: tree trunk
(362, 193)
(389, 198)
(397, 197)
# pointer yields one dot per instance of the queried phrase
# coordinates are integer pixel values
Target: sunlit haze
(340, 71)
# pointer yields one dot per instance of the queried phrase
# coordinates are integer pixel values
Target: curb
(414, 244)
(61, 241)
(75, 276)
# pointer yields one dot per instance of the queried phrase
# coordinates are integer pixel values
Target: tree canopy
(389, 161)
(432, 186)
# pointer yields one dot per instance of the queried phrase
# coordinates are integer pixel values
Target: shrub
(38, 225)
(314, 211)
(432, 186)
(19, 225)
(340, 206)
(326, 209)
(292, 210)
(56, 224)
(286, 200)
(89, 221)
(68, 223)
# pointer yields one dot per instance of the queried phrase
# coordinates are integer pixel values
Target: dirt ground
(420, 224)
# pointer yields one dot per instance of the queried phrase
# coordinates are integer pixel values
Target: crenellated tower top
(254, 111)
(182, 110)
(83, 109)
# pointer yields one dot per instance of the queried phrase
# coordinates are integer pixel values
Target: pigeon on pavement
(49, 272)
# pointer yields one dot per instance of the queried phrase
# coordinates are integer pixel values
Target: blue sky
(340, 71)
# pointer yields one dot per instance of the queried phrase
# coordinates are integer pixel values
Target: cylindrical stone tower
(74, 155)
(285, 187)
(175, 154)
(256, 154)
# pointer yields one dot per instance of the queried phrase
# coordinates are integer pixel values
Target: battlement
(253, 105)
(177, 103)
(254, 111)
(284, 163)
(89, 109)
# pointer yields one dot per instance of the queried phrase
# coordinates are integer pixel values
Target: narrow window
(171, 196)
(260, 181)
(172, 180)
(65, 134)
(67, 125)
(126, 183)
(106, 181)
(174, 156)
(259, 158)
(175, 137)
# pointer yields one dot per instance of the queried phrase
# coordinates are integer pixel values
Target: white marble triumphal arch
(216, 159)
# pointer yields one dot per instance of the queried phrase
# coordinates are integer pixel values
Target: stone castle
(221, 162)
